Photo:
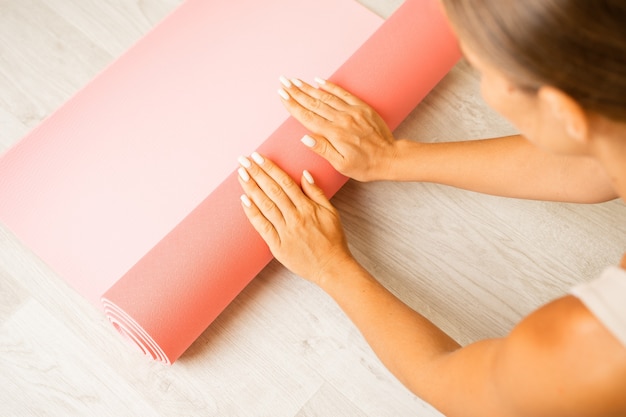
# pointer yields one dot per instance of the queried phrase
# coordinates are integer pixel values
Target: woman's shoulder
(566, 360)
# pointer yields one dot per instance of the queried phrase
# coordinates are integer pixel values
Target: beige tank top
(605, 297)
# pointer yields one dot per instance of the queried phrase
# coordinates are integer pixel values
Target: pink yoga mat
(129, 191)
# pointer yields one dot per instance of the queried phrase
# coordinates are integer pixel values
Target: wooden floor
(473, 264)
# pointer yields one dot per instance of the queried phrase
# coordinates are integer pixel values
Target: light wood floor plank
(12, 128)
(329, 402)
(46, 370)
(12, 295)
(39, 52)
(126, 22)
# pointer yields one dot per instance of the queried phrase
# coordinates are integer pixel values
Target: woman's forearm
(404, 340)
(508, 166)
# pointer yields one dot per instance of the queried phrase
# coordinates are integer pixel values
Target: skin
(558, 361)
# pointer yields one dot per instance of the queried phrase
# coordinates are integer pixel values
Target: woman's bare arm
(357, 142)
(508, 166)
(559, 361)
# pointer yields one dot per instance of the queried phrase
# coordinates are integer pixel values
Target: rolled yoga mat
(113, 190)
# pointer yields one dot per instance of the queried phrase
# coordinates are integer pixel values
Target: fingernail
(243, 174)
(245, 200)
(296, 82)
(308, 177)
(320, 81)
(257, 158)
(284, 81)
(308, 141)
(245, 162)
(283, 94)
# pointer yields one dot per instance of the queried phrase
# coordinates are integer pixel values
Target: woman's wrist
(400, 162)
(334, 269)
(387, 161)
(340, 273)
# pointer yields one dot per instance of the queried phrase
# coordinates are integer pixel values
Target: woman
(568, 98)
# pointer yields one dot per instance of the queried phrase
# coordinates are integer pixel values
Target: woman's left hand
(344, 130)
(300, 226)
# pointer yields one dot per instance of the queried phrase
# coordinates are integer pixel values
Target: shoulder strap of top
(605, 297)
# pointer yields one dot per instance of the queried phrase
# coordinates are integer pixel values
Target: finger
(301, 90)
(313, 102)
(325, 148)
(314, 192)
(339, 92)
(277, 184)
(291, 90)
(266, 204)
(260, 223)
(309, 119)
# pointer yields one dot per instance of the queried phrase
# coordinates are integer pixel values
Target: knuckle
(307, 117)
(326, 97)
(299, 223)
(286, 182)
(314, 103)
(366, 111)
(266, 228)
(362, 116)
(358, 118)
(274, 190)
(266, 205)
(344, 120)
(322, 148)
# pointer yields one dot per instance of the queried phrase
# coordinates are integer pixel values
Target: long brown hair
(577, 46)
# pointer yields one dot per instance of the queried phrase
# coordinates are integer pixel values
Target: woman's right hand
(345, 131)
(299, 224)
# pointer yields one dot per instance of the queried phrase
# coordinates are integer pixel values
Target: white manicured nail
(308, 177)
(296, 82)
(283, 94)
(284, 81)
(257, 158)
(243, 174)
(245, 162)
(246, 201)
(320, 81)
(308, 141)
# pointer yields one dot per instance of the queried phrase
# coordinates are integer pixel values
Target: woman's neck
(609, 149)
